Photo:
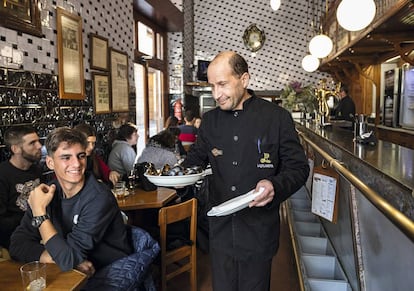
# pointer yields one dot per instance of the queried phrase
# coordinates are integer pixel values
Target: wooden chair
(184, 258)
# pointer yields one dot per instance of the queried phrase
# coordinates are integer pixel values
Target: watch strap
(38, 220)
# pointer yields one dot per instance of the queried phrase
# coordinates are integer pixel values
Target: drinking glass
(119, 189)
(33, 276)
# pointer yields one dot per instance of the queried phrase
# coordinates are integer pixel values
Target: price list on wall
(324, 188)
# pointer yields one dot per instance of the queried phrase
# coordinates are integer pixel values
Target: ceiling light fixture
(275, 4)
(310, 63)
(354, 15)
(320, 46)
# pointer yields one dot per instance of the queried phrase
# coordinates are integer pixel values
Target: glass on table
(33, 276)
(120, 189)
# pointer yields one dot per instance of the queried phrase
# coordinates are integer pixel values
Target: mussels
(177, 170)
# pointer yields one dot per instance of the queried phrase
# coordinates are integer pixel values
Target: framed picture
(101, 92)
(70, 55)
(98, 52)
(119, 80)
(22, 15)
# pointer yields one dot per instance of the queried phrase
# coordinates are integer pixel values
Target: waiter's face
(227, 88)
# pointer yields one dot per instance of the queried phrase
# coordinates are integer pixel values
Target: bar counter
(387, 168)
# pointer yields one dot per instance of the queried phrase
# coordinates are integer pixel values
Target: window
(160, 47)
(145, 39)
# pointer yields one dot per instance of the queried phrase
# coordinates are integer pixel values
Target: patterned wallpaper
(213, 26)
(219, 25)
(110, 19)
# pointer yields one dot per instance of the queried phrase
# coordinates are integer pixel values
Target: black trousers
(230, 274)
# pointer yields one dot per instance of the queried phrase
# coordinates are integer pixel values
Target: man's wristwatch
(38, 220)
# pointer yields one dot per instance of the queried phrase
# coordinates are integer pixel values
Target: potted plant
(298, 98)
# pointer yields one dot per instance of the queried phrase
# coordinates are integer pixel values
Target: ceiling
(163, 13)
(390, 37)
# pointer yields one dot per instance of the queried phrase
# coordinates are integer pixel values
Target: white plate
(174, 181)
(235, 204)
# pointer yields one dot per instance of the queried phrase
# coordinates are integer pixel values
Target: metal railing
(402, 222)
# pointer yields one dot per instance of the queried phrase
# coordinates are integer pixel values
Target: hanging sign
(324, 193)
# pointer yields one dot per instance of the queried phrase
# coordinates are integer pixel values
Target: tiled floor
(284, 273)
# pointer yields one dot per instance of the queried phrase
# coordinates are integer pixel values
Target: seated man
(75, 221)
(18, 176)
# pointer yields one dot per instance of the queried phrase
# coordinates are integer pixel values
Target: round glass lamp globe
(320, 46)
(354, 15)
(310, 63)
(275, 4)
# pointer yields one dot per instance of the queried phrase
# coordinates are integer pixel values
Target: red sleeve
(105, 170)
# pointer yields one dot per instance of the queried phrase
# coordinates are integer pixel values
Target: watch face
(36, 221)
(253, 37)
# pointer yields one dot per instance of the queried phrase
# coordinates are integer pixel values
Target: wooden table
(10, 278)
(141, 199)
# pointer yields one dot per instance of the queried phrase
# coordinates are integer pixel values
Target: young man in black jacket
(75, 221)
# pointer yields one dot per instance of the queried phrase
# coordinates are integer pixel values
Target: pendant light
(354, 15)
(321, 45)
(275, 4)
(310, 63)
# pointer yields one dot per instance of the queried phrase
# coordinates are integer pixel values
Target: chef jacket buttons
(235, 138)
(235, 163)
(236, 114)
(233, 188)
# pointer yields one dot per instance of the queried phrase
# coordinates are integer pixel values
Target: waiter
(250, 143)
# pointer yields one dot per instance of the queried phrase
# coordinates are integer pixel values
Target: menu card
(324, 192)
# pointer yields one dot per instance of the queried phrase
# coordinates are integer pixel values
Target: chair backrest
(181, 259)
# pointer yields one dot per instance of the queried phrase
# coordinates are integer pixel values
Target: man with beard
(20, 174)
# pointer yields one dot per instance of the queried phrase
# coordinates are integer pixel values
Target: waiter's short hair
(344, 88)
(238, 64)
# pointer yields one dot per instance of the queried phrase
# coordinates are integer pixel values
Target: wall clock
(253, 37)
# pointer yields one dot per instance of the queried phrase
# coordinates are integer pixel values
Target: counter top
(387, 168)
(391, 159)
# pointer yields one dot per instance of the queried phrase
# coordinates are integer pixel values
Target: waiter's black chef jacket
(243, 147)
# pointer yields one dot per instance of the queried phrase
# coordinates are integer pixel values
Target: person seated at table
(122, 156)
(160, 150)
(95, 164)
(75, 221)
(171, 121)
(18, 176)
(197, 123)
(188, 134)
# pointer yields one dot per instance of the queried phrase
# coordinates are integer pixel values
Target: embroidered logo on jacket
(265, 161)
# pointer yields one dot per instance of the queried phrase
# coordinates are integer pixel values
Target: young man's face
(69, 163)
(29, 148)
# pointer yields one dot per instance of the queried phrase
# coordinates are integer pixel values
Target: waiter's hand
(266, 196)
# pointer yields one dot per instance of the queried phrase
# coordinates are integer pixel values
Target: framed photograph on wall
(70, 55)
(23, 16)
(101, 93)
(98, 52)
(119, 80)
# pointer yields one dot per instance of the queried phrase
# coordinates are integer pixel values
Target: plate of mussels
(176, 176)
